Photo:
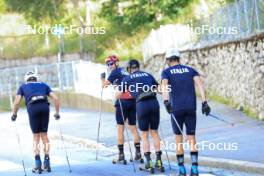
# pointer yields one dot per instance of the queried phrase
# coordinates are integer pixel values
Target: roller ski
(194, 171)
(46, 164)
(120, 160)
(37, 168)
(148, 167)
(138, 158)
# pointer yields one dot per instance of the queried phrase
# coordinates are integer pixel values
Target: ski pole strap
(146, 95)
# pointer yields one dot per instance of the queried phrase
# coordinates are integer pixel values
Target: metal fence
(76, 76)
(237, 20)
(27, 46)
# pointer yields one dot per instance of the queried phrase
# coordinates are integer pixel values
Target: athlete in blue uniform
(128, 107)
(36, 94)
(179, 80)
(143, 87)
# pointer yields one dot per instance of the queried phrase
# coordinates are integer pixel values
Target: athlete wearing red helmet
(126, 105)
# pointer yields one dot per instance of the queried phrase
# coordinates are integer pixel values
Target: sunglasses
(110, 64)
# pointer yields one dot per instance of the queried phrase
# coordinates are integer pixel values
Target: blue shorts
(129, 112)
(186, 117)
(38, 117)
(148, 114)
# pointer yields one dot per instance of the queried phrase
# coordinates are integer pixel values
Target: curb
(229, 164)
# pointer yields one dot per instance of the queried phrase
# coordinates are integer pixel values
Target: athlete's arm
(199, 83)
(16, 104)
(164, 89)
(56, 101)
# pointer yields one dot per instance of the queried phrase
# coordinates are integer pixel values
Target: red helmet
(112, 58)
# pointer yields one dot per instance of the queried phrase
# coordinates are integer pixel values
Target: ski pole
(65, 150)
(20, 149)
(220, 119)
(163, 140)
(99, 124)
(173, 117)
(130, 150)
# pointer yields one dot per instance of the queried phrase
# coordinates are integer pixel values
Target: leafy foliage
(134, 14)
(37, 11)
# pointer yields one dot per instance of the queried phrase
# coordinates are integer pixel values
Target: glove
(103, 75)
(57, 116)
(13, 118)
(206, 108)
(168, 106)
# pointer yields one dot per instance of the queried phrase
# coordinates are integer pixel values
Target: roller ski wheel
(148, 167)
(150, 170)
(115, 161)
(37, 170)
(139, 160)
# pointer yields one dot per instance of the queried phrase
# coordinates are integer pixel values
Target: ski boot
(158, 163)
(182, 171)
(194, 171)
(37, 169)
(138, 157)
(46, 165)
(120, 159)
(148, 167)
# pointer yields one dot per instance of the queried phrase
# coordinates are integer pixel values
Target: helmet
(133, 63)
(112, 58)
(29, 75)
(171, 53)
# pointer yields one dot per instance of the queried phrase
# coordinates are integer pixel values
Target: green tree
(36, 11)
(134, 14)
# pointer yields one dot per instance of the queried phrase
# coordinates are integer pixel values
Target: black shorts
(129, 112)
(187, 117)
(38, 117)
(148, 113)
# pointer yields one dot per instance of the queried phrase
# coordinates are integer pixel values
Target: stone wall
(6, 63)
(232, 70)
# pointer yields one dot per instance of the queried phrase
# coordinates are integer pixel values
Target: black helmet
(133, 63)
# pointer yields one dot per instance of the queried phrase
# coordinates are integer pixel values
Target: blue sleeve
(195, 73)
(20, 91)
(112, 77)
(164, 75)
(48, 89)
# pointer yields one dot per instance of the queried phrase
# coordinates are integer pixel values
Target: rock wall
(232, 70)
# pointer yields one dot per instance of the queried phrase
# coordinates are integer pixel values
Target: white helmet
(29, 75)
(173, 52)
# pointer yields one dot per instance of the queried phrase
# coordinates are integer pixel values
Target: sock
(194, 158)
(121, 148)
(37, 157)
(147, 156)
(46, 157)
(137, 146)
(158, 155)
(180, 159)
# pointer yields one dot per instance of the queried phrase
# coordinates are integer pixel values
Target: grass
(232, 103)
